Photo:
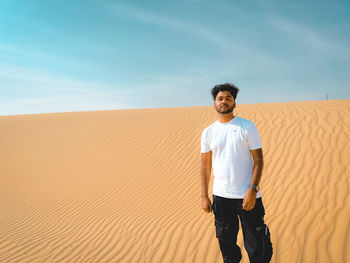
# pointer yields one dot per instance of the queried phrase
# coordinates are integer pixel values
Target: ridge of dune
(124, 185)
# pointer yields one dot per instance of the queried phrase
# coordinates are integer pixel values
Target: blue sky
(61, 56)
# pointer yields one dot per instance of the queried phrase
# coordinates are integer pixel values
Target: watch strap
(256, 187)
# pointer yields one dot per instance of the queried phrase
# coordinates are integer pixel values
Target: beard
(225, 110)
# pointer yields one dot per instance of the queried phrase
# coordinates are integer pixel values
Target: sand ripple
(124, 186)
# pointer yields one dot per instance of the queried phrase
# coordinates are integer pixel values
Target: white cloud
(61, 103)
(311, 38)
(32, 91)
(149, 17)
(15, 51)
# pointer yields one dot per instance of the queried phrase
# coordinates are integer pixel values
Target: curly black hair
(224, 87)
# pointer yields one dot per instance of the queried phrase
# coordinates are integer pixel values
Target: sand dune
(124, 185)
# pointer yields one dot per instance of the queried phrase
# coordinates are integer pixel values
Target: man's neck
(225, 117)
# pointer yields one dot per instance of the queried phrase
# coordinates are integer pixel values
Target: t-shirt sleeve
(254, 140)
(204, 143)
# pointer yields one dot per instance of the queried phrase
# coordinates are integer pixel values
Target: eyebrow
(224, 96)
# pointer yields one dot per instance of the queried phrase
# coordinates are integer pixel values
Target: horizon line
(171, 107)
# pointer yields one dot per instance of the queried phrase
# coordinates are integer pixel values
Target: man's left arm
(250, 197)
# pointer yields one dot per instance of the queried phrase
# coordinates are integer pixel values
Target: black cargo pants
(227, 211)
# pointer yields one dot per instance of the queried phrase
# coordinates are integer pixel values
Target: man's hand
(249, 200)
(206, 204)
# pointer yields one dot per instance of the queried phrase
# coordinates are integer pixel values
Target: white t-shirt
(230, 144)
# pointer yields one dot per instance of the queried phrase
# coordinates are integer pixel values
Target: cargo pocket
(267, 249)
(224, 231)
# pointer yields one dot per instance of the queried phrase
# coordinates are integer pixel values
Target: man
(232, 144)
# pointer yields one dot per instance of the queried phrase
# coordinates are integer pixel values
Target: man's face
(224, 102)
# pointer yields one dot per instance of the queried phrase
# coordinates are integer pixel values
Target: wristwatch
(256, 187)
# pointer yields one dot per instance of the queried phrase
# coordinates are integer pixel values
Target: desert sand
(124, 185)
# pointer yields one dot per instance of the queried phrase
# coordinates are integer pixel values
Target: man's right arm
(205, 178)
